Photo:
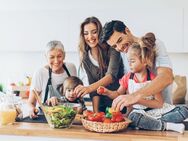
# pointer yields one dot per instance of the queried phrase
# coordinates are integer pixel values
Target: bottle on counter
(7, 114)
(9, 109)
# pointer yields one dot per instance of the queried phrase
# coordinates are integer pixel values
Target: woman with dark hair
(102, 64)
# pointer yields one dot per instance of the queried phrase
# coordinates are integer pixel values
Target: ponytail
(149, 40)
(145, 49)
(148, 50)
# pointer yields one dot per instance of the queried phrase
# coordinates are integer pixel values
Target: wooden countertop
(79, 132)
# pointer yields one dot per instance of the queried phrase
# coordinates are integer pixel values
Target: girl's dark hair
(84, 48)
(149, 40)
(145, 50)
(70, 82)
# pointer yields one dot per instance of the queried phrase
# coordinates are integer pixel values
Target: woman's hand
(33, 112)
(52, 101)
(81, 90)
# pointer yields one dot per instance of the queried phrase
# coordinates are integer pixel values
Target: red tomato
(96, 117)
(91, 117)
(117, 114)
(101, 114)
(86, 113)
(119, 118)
(101, 90)
(113, 119)
(107, 120)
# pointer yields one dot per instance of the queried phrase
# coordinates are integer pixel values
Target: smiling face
(91, 36)
(121, 41)
(55, 59)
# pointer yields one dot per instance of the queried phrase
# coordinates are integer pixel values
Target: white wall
(27, 25)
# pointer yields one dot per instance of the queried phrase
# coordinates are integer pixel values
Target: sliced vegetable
(60, 116)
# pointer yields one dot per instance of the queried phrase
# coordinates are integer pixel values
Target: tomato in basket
(117, 114)
(107, 120)
(99, 117)
(113, 119)
(102, 114)
(86, 113)
(119, 118)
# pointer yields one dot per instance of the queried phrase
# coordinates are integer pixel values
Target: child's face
(70, 95)
(135, 63)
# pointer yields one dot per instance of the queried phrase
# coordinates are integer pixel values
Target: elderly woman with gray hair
(54, 73)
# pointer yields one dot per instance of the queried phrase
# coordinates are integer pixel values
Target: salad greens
(60, 116)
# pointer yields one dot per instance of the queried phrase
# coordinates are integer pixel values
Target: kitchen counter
(78, 132)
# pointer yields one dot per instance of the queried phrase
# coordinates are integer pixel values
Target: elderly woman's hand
(52, 101)
(81, 90)
(33, 112)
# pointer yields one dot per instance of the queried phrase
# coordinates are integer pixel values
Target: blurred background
(27, 25)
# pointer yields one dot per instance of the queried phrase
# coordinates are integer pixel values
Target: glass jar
(7, 114)
(8, 108)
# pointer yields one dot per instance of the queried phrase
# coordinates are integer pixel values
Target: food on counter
(10, 108)
(86, 113)
(60, 116)
(110, 114)
(110, 121)
(7, 114)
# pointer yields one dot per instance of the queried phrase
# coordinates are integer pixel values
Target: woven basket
(105, 127)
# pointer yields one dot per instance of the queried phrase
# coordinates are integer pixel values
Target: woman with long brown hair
(103, 65)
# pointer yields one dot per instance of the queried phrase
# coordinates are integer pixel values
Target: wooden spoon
(39, 100)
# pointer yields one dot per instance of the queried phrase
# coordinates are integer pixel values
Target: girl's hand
(102, 90)
(52, 101)
(81, 90)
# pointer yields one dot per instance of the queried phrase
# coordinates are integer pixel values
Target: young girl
(150, 113)
(68, 93)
